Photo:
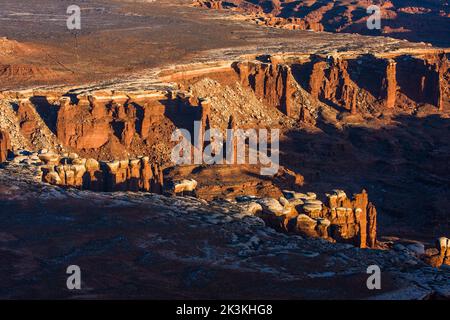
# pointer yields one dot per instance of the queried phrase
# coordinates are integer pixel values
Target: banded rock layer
(118, 125)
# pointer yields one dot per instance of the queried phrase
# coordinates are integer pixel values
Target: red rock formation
(413, 22)
(424, 80)
(443, 255)
(330, 81)
(390, 84)
(363, 83)
(351, 220)
(27, 119)
(116, 125)
(5, 145)
(372, 225)
(272, 82)
(82, 127)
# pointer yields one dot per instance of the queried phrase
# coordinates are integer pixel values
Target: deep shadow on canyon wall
(405, 168)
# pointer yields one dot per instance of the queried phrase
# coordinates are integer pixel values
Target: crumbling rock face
(357, 84)
(5, 145)
(89, 174)
(272, 82)
(112, 125)
(368, 83)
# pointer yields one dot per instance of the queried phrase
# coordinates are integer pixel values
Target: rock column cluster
(342, 219)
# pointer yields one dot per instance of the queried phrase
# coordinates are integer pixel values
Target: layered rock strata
(412, 20)
(90, 174)
(109, 124)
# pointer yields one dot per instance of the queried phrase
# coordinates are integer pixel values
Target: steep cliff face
(272, 82)
(117, 125)
(5, 145)
(123, 125)
(358, 84)
(370, 83)
(425, 80)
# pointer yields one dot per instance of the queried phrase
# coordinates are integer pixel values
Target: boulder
(52, 177)
(185, 186)
(49, 158)
(251, 208)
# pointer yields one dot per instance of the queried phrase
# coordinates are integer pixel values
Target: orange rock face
(384, 83)
(5, 145)
(272, 82)
(356, 84)
(352, 220)
(114, 125)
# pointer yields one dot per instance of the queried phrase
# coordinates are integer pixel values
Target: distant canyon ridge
(413, 20)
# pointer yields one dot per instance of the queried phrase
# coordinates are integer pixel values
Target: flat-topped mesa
(113, 125)
(90, 174)
(5, 146)
(341, 219)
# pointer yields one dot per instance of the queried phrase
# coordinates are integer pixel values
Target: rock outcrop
(108, 125)
(366, 83)
(416, 21)
(5, 145)
(90, 174)
(272, 82)
(341, 219)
